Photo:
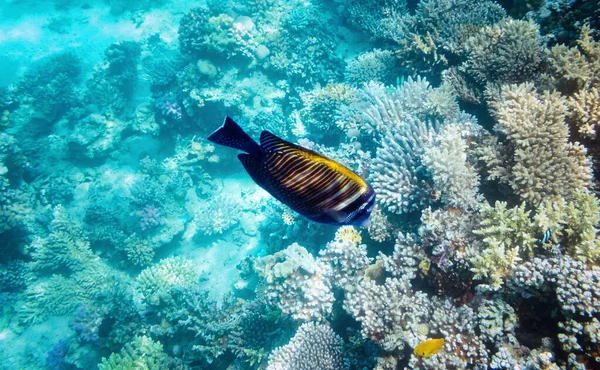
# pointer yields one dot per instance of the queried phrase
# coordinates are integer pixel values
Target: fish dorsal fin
(272, 143)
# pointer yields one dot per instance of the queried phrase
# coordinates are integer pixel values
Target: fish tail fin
(233, 136)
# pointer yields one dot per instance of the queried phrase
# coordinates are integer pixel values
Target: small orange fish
(429, 347)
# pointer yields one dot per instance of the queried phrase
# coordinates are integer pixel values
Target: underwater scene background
(129, 241)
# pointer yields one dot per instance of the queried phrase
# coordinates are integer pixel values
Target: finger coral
(297, 283)
(314, 347)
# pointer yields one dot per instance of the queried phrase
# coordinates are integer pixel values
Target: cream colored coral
(348, 234)
(540, 163)
(585, 108)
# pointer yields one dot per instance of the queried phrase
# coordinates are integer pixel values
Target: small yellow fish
(429, 347)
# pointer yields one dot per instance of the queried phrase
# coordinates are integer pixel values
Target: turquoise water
(130, 241)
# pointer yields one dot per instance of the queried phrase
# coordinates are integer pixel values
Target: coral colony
(130, 241)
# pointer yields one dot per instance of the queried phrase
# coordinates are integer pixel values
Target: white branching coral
(348, 262)
(314, 347)
(298, 283)
(398, 174)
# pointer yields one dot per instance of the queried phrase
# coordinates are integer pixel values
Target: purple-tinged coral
(150, 217)
(86, 324)
(314, 347)
(169, 107)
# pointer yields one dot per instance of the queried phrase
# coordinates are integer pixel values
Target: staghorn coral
(506, 232)
(507, 52)
(539, 162)
(573, 68)
(514, 234)
(67, 245)
(314, 347)
(297, 283)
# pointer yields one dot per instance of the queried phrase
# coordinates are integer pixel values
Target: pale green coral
(512, 234)
(574, 68)
(585, 111)
(497, 319)
(141, 354)
(505, 232)
(66, 246)
(139, 251)
(155, 284)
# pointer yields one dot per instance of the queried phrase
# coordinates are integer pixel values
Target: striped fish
(317, 187)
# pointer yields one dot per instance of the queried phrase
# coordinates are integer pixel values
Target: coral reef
(297, 283)
(538, 162)
(315, 346)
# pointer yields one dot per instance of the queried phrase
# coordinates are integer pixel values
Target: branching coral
(434, 36)
(319, 114)
(572, 286)
(575, 68)
(512, 234)
(50, 86)
(66, 246)
(507, 52)
(297, 283)
(453, 177)
(585, 109)
(348, 262)
(156, 284)
(314, 347)
(395, 315)
(541, 163)
(141, 353)
(398, 176)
